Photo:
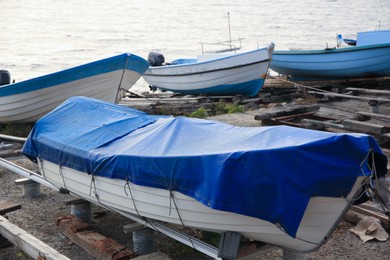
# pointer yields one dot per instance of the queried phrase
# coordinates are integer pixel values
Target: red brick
(95, 244)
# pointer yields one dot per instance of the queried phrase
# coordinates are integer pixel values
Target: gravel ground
(38, 216)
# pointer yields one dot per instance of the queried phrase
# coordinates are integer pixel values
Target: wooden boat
(365, 60)
(365, 38)
(105, 79)
(285, 186)
(214, 74)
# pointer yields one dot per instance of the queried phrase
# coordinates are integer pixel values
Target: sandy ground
(38, 216)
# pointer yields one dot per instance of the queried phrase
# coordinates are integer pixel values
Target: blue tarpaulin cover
(264, 172)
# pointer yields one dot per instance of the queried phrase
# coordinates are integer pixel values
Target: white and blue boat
(365, 38)
(214, 74)
(105, 79)
(281, 185)
(369, 58)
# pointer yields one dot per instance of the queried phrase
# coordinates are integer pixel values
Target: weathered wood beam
(382, 217)
(328, 94)
(293, 116)
(6, 206)
(27, 243)
(97, 245)
(288, 111)
(369, 91)
(374, 115)
(364, 127)
(330, 124)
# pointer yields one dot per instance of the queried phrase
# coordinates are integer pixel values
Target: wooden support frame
(27, 243)
(6, 206)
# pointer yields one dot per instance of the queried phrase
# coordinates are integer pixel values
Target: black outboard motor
(5, 77)
(156, 59)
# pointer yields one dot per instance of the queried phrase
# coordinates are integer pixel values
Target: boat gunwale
(205, 71)
(77, 72)
(228, 57)
(332, 50)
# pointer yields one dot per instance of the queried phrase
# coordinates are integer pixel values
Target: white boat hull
(243, 73)
(28, 105)
(331, 64)
(321, 216)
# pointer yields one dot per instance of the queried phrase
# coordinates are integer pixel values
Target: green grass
(219, 108)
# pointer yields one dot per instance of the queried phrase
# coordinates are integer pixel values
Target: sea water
(43, 36)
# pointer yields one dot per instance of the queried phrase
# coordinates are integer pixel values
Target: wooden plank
(287, 111)
(382, 217)
(293, 116)
(328, 94)
(97, 245)
(27, 243)
(364, 127)
(369, 91)
(353, 216)
(374, 115)
(6, 207)
(330, 124)
(132, 227)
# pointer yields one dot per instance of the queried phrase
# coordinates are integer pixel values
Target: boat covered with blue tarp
(268, 173)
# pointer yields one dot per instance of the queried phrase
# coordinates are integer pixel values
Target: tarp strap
(172, 198)
(365, 161)
(375, 189)
(366, 185)
(40, 167)
(62, 175)
(132, 197)
(127, 184)
(94, 188)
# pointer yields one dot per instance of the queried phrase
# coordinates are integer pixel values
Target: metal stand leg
(290, 255)
(81, 209)
(143, 241)
(229, 244)
(30, 188)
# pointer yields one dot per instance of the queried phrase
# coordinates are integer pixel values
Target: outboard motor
(156, 59)
(5, 77)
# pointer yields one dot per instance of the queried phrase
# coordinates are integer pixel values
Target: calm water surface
(42, 36)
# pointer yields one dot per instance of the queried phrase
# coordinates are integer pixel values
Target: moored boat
(365, 38)
(370, 57)
(286, 186)
(105, 79)
(214, 74)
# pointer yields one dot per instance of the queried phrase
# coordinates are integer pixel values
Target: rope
(373, 188)
(147, 221)
(117, 252)
(40, 168)
(171, 196)
(132, 197)
(298, 85)
(95, 190)
(62, 175)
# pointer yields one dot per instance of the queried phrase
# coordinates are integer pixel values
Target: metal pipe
(230, 34)
(143, 241)
(26, 173)
(13, 138)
